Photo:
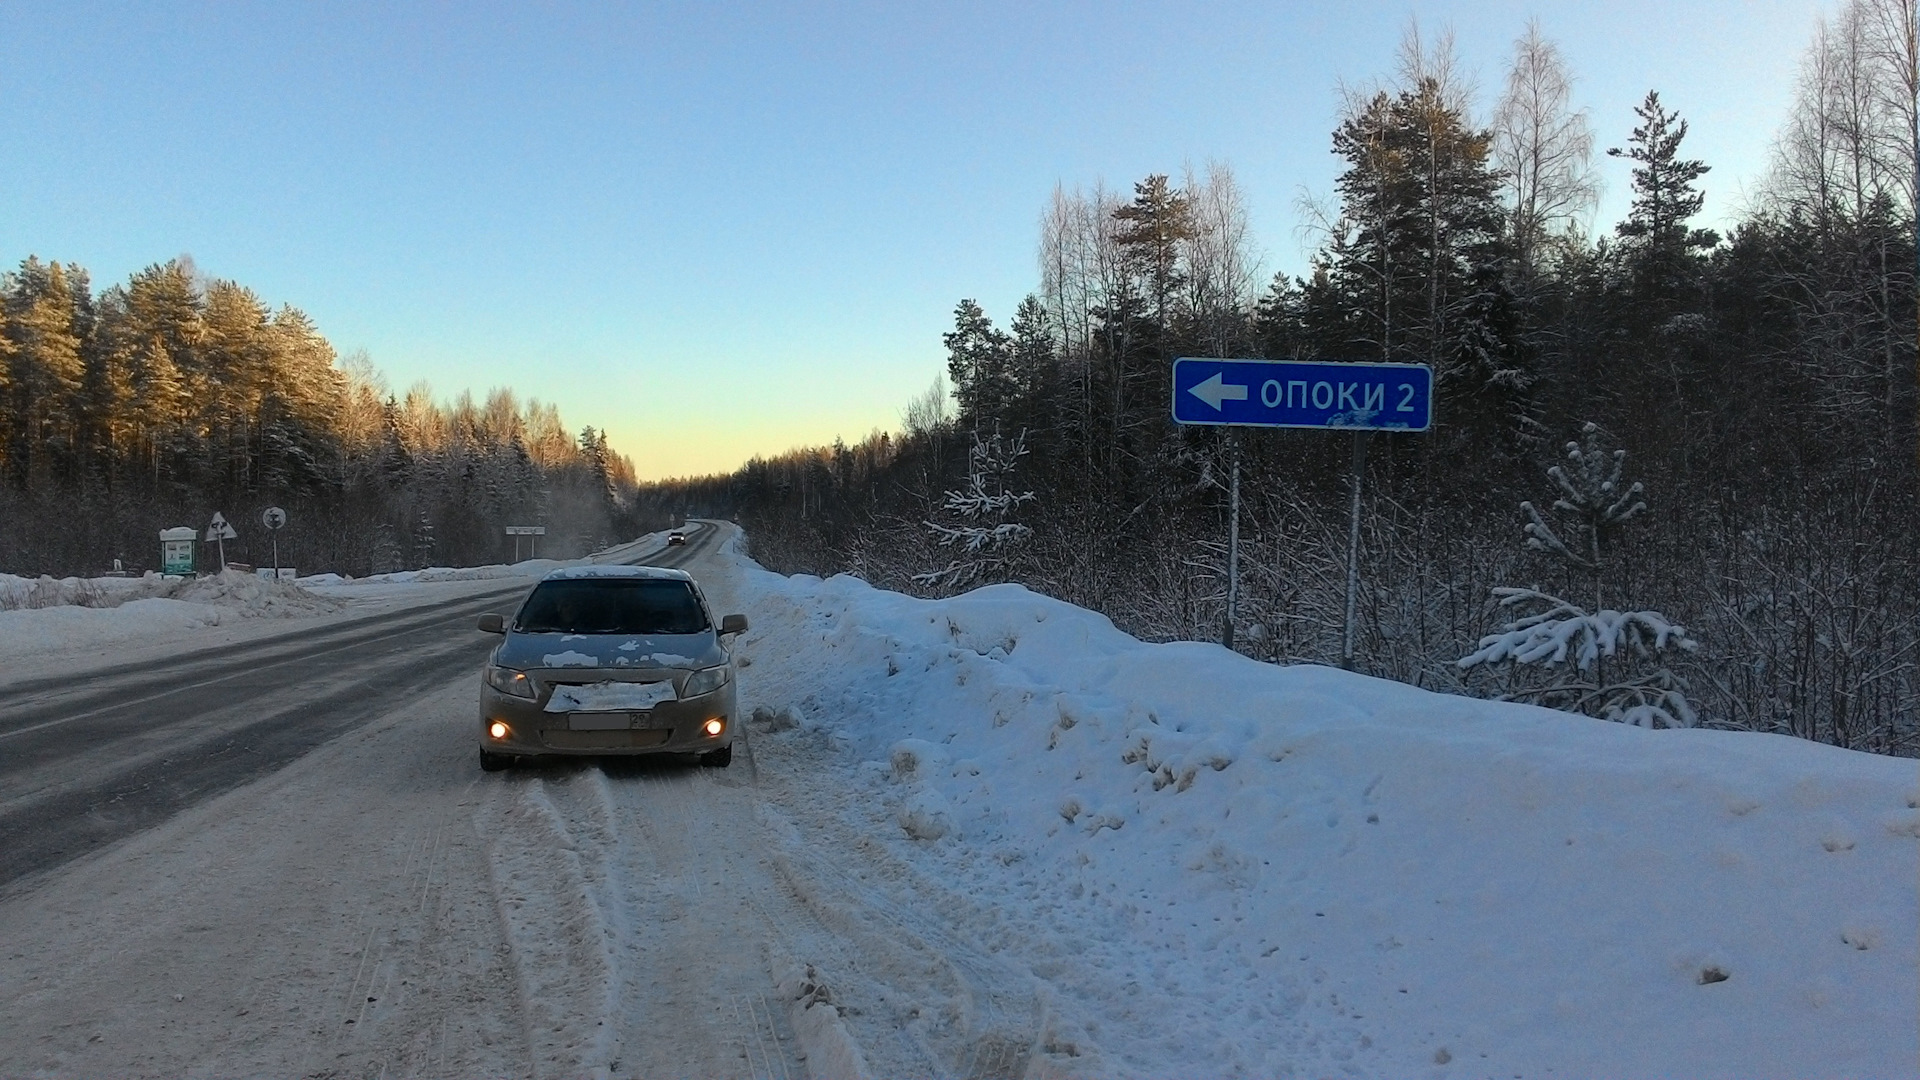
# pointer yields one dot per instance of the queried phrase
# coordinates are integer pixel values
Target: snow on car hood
(603, 696)
(683, 652)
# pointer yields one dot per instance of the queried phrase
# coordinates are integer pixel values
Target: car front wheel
(718, 759)
(492, 762)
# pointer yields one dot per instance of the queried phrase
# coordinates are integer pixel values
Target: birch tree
(1544, 150)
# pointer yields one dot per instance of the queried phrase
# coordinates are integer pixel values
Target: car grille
(561, 739)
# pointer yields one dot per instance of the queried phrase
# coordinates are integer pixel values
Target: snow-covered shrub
(1603, 662)
(983, 531)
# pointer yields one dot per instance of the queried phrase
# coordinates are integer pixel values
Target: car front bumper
(670, 727)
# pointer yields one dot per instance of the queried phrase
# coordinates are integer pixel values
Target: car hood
(640, 652)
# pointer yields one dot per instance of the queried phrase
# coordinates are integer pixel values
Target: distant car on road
(610, 660)
(676, 538)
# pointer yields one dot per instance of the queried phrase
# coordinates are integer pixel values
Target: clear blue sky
(719, 232)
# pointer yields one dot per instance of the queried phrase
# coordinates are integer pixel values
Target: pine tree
(1412, 271)
(239, 364)
(46, 370)
(979, 362)
(1153, 228)
(424, 545)
(1608, 663)
(983, 530)
(385, 556)
(1659, 246)
(1035, 368)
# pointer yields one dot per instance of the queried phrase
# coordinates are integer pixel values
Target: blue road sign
(1303, 393)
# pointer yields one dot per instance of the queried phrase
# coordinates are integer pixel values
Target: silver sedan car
(610, 660)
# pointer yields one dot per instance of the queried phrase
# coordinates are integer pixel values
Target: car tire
(718, 759)
(492, 762)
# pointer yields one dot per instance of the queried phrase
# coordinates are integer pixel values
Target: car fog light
(714, 726)
(497, 729)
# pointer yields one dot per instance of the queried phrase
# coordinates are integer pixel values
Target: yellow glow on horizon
(705, 445)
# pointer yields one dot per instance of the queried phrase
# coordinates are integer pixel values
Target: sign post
(274, 519)
(1233, 540)
(219, 531)
(1360, 398)
(533, 532)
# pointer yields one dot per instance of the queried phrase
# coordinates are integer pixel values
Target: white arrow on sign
(218, 529)
(1213, 391)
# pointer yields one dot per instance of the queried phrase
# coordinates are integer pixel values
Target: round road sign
(274, 517)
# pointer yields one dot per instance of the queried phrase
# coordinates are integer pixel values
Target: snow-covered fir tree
(1604, 662)
(982, 530)
(385, 558)
(423, 542)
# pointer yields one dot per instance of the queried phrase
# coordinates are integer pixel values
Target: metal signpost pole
(1302, 394)
(1353, 549)
(274, 519)
(1233, 539)
(533, 533)
(220, 532)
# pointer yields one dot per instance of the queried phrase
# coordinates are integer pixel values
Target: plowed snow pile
(1213, 866)
(48, 614)
(529, 568)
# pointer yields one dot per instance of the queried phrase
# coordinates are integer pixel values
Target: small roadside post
(220, 532)
(532, 532)
(274, 519)
(1357, 397)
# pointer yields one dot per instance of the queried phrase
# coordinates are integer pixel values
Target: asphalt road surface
(89, 760)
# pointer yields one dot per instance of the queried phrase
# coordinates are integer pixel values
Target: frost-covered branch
(1562, 634)
(980, 529)
(1565, 633)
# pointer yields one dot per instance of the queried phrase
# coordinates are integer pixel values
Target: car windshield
(618, 606)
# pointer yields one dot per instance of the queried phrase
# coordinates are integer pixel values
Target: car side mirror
(733, 624)
(493, 624)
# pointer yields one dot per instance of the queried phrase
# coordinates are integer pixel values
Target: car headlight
(510, 682)
(705, 682)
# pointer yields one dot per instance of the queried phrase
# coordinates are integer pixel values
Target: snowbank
(242, 595)
(1222, 866)
(530, 568)
(52, 619)
(48, 615)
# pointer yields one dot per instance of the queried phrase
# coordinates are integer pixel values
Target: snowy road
(238, 862)
(86, 761)
(982, 837)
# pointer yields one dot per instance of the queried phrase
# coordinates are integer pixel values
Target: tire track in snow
(981, 1026)
(641, 864)
(675, 869)
(415, 978)
(555, 930)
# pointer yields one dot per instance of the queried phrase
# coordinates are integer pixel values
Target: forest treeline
(1757, 386)
(161, 401)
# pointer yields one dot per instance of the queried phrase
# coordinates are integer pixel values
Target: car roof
(657, 573)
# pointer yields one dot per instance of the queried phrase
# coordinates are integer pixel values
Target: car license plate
(599, 721)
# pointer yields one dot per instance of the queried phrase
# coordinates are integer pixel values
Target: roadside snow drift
(44, 618)
(41, 615)
(1215, 866)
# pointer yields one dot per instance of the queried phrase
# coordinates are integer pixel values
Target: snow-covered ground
(1215, 866)
(59, 616)
(994, 837)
